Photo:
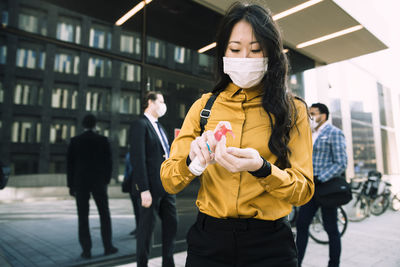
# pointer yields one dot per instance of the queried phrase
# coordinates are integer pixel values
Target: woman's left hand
(237, 159)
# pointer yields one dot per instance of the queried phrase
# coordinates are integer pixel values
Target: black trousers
(216, 242)
(82, 202)
(164, 207)
(135, 205)
(329, 218)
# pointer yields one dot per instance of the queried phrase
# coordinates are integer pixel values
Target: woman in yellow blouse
(254, 176)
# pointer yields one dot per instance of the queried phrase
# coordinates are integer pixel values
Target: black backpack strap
(206, 112)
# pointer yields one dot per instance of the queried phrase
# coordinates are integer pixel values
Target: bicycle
(316, 230)
(382, 201)
(367, 200)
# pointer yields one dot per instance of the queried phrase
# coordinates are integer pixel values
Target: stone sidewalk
(374, 242)
(44, 233)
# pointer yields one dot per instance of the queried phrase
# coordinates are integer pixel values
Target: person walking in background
(149, 147)
(89, 167)
(127, 188)
(264, 169)
(329, 161)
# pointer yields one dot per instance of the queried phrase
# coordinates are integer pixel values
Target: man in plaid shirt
(329, 160)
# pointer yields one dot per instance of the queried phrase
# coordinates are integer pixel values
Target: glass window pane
(363, 139)
(99, 67)
(33, 20)
(69, 29)
(27, 92)
(100, 37)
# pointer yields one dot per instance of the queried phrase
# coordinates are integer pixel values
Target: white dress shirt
(153, 121)
(316, 133)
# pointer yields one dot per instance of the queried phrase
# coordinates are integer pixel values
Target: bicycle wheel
(359, 208)
(317, 231)
(379, 204)
(396, 202)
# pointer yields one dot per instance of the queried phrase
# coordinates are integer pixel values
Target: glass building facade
(56, 64)
(363, 108)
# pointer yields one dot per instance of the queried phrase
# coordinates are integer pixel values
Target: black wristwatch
(264, 171)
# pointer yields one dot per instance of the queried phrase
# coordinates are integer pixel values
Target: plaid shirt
(329, 153)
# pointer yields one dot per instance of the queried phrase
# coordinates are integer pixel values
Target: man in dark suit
(89, 167)
(149, 147)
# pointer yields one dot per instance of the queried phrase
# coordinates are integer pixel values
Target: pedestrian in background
(89, 167)
(149, 147)
(264, 169)
(329, 161)
(127, 188)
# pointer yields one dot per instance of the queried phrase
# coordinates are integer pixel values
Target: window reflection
(363, 139)
(123, 135)
(205, 64)
(130, 72)
(99, 67)
(1, 92)
(61, 131)
(129, 103)
(3, 51)
(130, 43)
(69, 30)
(179, 54)
(4, 17)
(26, 130)
(98, 100)
(156, 49)
(100, 37)
(28, 93)
(32, 20)
(31, 57)
(296, 84)
(336, 113)
(385, 106)
(66, 63)
(64, 97)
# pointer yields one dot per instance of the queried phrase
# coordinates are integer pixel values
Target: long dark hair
(276, 100)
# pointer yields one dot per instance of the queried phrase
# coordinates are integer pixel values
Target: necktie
(163, 138)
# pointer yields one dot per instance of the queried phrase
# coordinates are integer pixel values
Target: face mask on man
(314, 122)
(161, 109)
(245, 72)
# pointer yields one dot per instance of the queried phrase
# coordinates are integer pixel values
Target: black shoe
(86, 255)
(110, 251)
(134, 232)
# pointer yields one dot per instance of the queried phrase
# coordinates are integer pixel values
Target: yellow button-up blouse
(223, 194)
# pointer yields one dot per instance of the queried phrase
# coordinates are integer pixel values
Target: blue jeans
(329, 217)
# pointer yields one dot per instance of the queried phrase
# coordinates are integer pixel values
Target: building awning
(321, 30)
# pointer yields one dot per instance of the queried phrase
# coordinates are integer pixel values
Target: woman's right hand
(198, 148)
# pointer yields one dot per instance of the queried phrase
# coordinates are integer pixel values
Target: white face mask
(245, 72)
(161, 109)
(313, 124)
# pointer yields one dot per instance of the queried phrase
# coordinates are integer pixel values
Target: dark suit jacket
(89, 162)
(146, 155)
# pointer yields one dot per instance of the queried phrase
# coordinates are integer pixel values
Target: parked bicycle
(371, 199)
(316, 230)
